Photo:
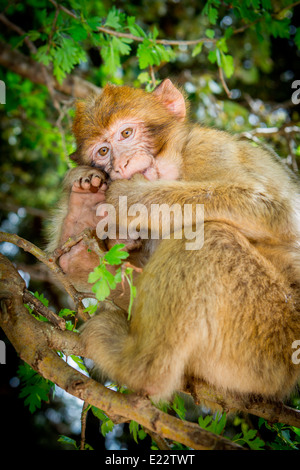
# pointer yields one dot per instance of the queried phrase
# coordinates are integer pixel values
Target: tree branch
(119, 34)
(26, 67)
(51, 264)
(31, 340)
(38, 307)
(274, 412)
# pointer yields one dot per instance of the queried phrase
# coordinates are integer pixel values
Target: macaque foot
(87, 192)
(88, 188)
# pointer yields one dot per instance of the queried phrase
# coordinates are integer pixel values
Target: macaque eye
(103, 151)
(127, 133)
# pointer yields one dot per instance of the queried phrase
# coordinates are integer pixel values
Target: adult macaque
(227, 313)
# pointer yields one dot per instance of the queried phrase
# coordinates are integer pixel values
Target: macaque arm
(249, 208)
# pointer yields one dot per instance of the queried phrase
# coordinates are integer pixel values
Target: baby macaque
(226, 312)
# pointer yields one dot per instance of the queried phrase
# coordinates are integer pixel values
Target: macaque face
(124, 131)
(123, 150)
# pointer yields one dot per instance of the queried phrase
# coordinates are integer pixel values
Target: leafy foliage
(35, 388)
(104, 281)
(73, 443)
(106, 423)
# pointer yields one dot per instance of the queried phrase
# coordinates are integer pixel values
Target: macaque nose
(120, 167)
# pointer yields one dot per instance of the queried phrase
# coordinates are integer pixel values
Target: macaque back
(227, 312)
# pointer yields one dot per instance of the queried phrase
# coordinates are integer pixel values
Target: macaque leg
(216, 327)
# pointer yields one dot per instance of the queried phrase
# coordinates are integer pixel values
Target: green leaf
(79, 362)
(116, 254)
(266, 4)
(91, 309)
(122, 45)
(134, 428)
(134, 28)
(227, 64)
(216, 425)
(66, 312)
(210, 33)
(297, 38)
(94, 22)
(118, 275)
(33, 35)
(142, 434)
(99, 413)
(146, 54)
(144, 77)
(222, 45)
(95, 275)
(278, 28)
(197, 49)
(178, 406)
(212, 56)
(220, 423)
(101, 290)
(67, 440)
(66, 57)
(106, 427)
(248, 437)
(35, 388)
(212, 15)
(113, 19)
(111, 56)
(155, 32)
(228, 32)
(78, 32)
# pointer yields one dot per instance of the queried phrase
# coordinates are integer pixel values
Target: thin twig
(247, 26)
(20, 31)
(48, 261)
(222, 78)
(87, 236)
(170, 42)
(152, 75)
(40, 308)
(164, 42)
(159, 441)
(119, 34)
(84, 412)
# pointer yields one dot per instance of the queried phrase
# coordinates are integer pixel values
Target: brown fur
(229, 312)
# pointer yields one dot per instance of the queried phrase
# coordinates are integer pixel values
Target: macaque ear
(75, 156)
(171, 98)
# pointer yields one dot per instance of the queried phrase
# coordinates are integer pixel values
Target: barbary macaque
(228, 312)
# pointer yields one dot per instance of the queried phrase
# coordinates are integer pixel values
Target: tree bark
(37, 342)
(26, 67)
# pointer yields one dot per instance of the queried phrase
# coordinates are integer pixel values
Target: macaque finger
(76, 184)
(85, 183)
(96, 181)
